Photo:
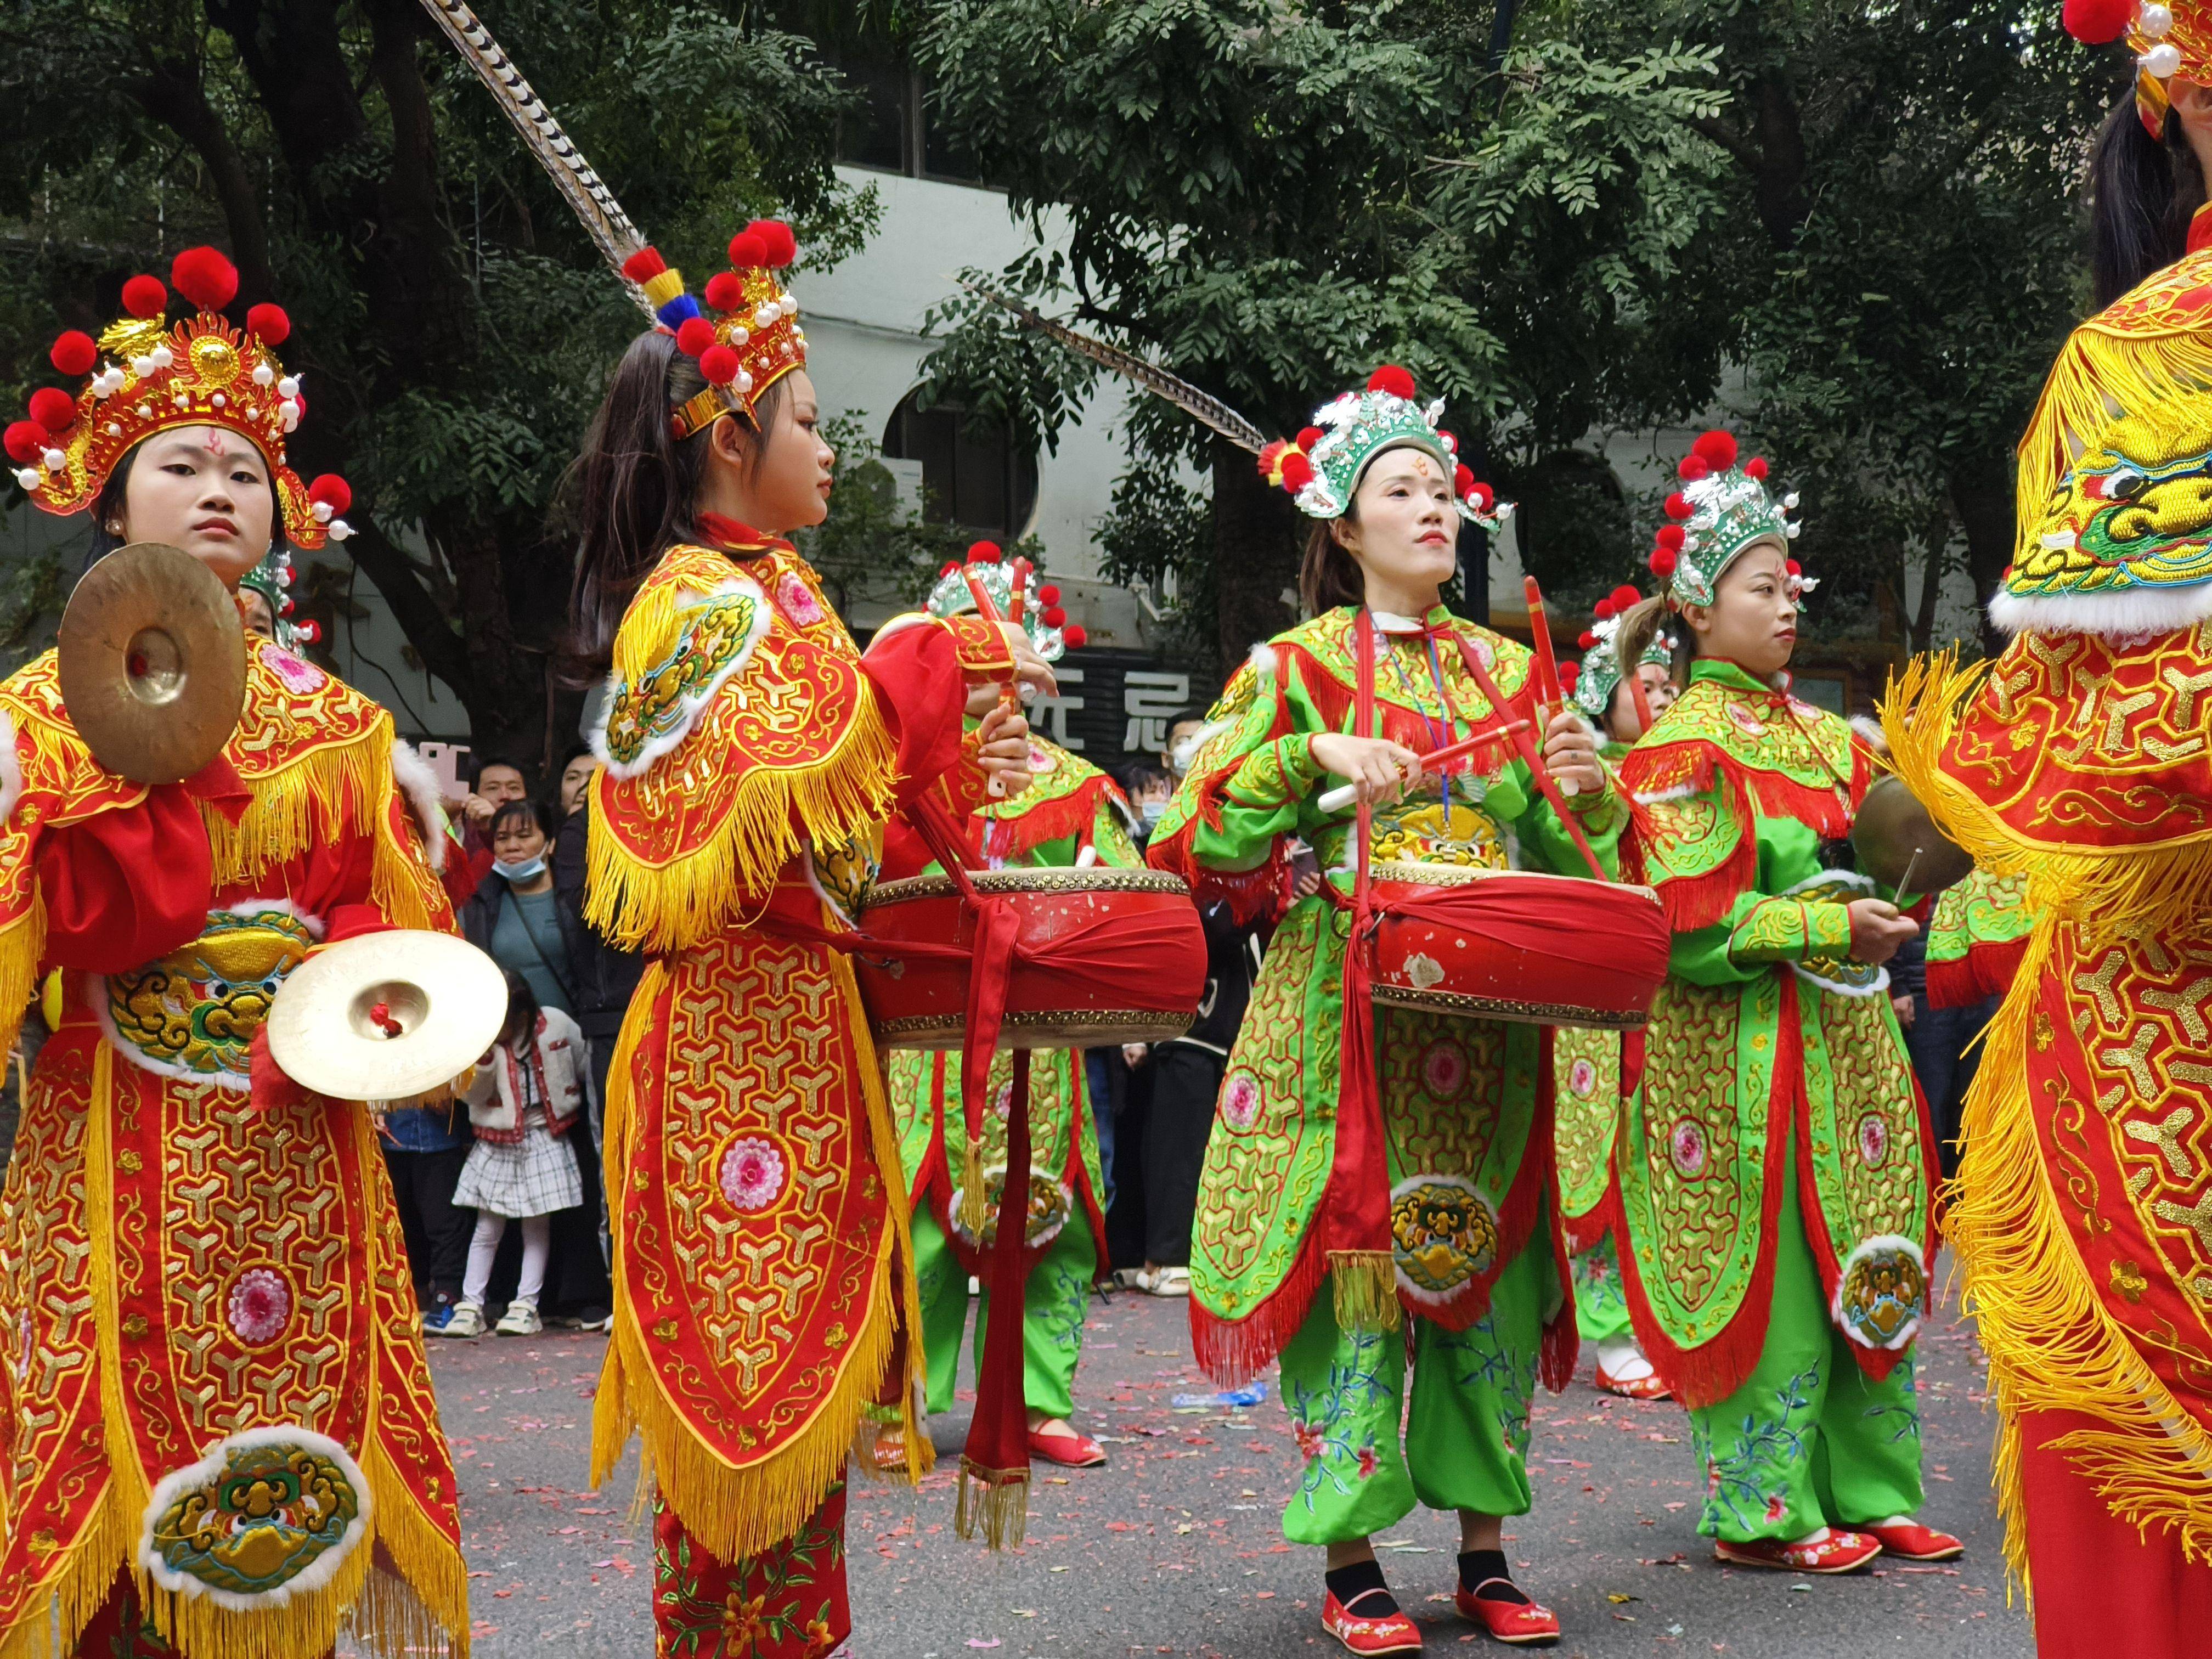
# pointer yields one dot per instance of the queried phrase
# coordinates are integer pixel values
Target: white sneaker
(521, 1319)
(1164, 1282)
(466, 1320)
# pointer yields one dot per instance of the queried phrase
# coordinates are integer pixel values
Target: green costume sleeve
(1545, 841)
(1770, 930)
(1260, 801)
(1692, 838)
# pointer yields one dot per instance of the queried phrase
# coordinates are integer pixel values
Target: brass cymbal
(443, 1002)
(152, 662)
(1892, 827)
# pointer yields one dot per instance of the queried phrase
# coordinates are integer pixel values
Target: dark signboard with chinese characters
(1114, 706)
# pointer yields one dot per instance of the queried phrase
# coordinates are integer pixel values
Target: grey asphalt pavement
(1175, 1547)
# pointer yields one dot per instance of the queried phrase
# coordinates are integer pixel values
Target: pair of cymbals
(151, 657)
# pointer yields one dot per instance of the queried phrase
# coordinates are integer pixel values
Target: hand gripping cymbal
(1892, 829)
(152, 662)
(387, 1015)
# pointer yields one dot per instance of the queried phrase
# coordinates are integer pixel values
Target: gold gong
(152, 662)
(387, 1015)
(1891, 827)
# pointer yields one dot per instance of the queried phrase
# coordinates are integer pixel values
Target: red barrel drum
(1101, 957)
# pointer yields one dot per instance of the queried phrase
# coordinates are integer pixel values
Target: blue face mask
(1153, 812)
(528, 869)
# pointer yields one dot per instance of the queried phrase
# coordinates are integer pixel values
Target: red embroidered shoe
(1070, 1451)
(1840, 1552)
(1911, 1542)
(1395, 1633)
(1647, 1387)
(1522, 1625)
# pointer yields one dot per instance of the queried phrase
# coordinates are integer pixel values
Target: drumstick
(1336, 800)
(987, 608)
(1642, 702)
(1904, 884)
(1547, 663)
(1021, 589)
(1531, 759)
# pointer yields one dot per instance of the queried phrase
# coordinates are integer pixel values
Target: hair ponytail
(1639, 625)
(1329, 577)
(2143, 192)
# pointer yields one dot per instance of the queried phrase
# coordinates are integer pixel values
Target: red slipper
(1643, 1387)
(1393, 1633)
(1840, 1552)
(1522, 1624)
(1914, 1542)
(1070, 1451)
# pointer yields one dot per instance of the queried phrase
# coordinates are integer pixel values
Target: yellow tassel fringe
(22, 942)
(996, 1501)
(1364, 1285)
(2116, 890)
(2052, 1345)
(972, 1211)
(732, 1512)
(682, 902)
(424, 1610)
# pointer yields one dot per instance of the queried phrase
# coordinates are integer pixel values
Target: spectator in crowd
(528, 1093)
(1183, 734)
(1941, 1041)
(498, 781)
(575, 777)
(424, 1148)
(1149, 788)
(519, 919)
(259, 618)
(604, 979)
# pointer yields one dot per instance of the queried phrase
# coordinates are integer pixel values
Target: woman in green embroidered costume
(1072, 814)
(1774, 1176)
(1585, 1060)
(1462, 1243)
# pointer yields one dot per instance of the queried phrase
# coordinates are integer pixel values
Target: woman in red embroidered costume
(765, 1296)
(213, 1384)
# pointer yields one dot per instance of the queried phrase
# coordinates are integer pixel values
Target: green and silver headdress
(272, 580)
(1721, 510)
(1322, 466)
(1602, 669)
(1011, 588)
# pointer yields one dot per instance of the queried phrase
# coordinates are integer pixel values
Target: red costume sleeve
(920, 674)
(122, 887)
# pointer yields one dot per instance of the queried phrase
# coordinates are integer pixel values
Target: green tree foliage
(1270, 197)
(453, 325)
(1853, 231)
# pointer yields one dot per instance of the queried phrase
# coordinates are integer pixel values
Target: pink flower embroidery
(1443, 1068)
(260, 1305)
(1309, 1439)
(1686, 1146)
(1582, 1079)
(752, 1175)
(1002, 1103)
(1776, 1509)
(1240, 1101)
(298, 676)
(1873, 1140)
(1366, 1461)
(1747, 722)
(798, 600)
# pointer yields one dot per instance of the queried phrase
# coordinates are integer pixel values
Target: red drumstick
(1642, 702)
(1021, 580)
(1534, 761)
(1336, 800)
(987, 608)
(1540, 637)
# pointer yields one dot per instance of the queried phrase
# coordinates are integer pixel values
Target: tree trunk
(1982, 494)
(173, 94)
(1255, 555)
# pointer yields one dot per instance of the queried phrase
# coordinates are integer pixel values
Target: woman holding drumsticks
(1464, 1246)
(1774, 1176)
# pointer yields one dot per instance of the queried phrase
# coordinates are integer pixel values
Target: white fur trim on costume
(899, 624)
(2143, 611)
(419, 785)
(317, 1574)
(1865, 1250)
(1672, 792)
(1263, 660)
(688, 710)
(11, 770)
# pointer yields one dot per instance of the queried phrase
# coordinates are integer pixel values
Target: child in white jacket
(530, 1088)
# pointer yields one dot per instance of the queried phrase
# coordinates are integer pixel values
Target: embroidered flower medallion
(752, 1175)
(260, 1305)
(299, 676)
(1873, 1140)
(1685, 1148)
(1582, 1079)
(1240, 1101)
(798, 600)
(1443, 1068)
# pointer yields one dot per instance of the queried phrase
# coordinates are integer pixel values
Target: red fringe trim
(1251, 895)
(1986, 971)
(1715, 1369)
(1332, 701)
(1053, 820)
(1232, 1353)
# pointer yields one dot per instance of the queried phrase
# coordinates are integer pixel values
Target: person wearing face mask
(1335, 1209)
(520, 920)
(205, 1256)
(750, 757)
(1586, 1062)
(1071, 816)
(1776, 1172)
